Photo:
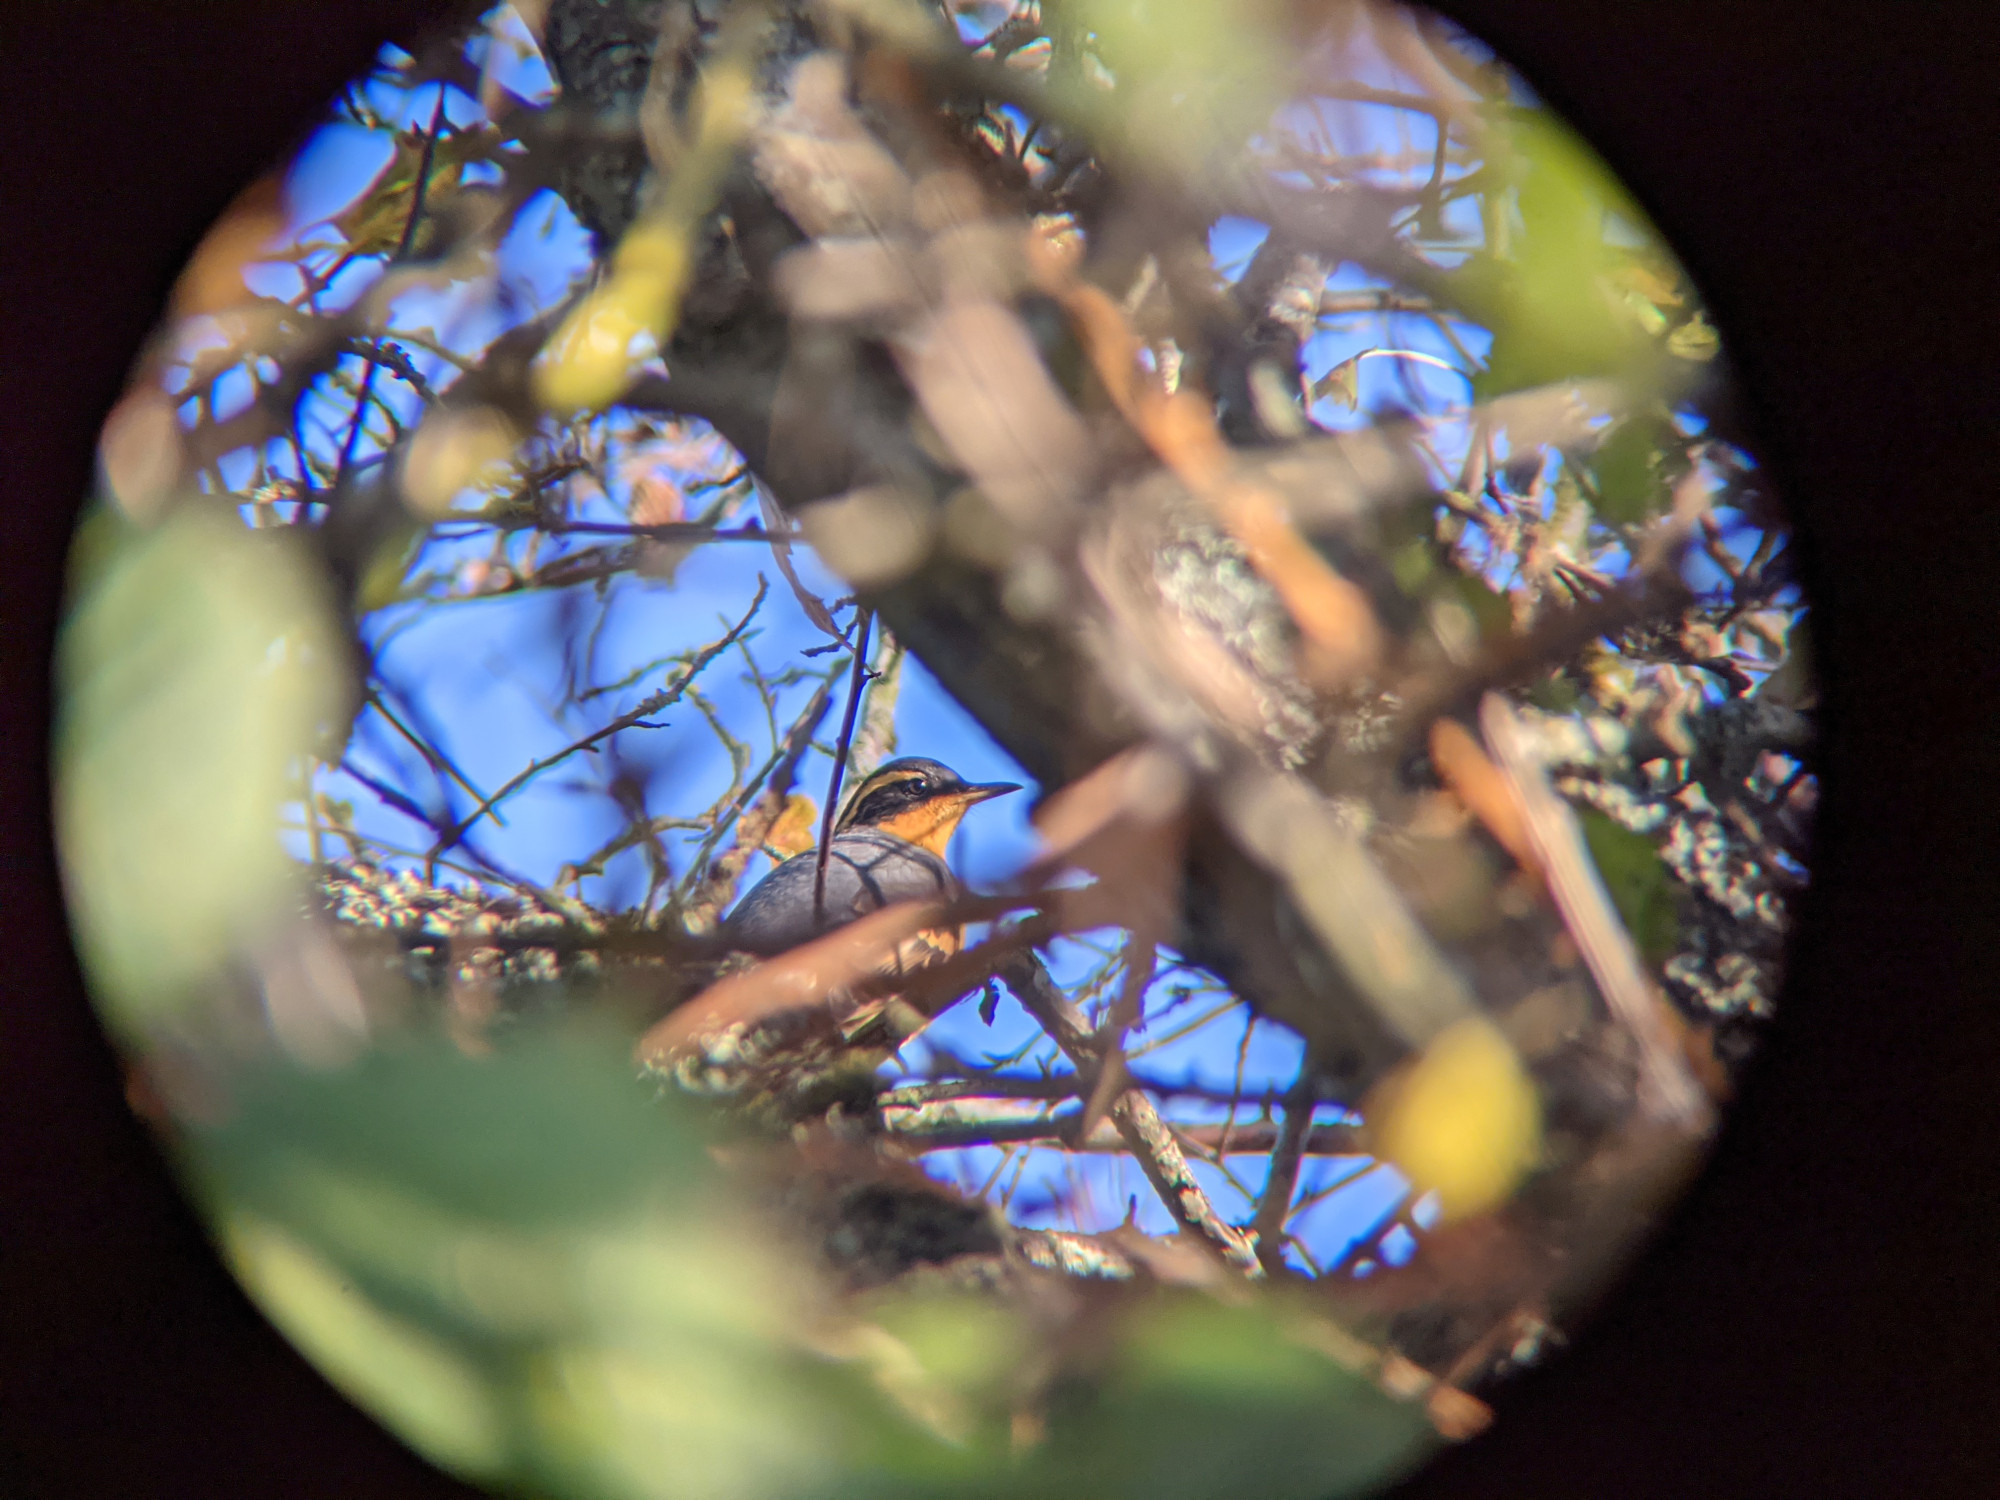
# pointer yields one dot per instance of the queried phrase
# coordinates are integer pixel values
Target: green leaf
(1206, 1399)
(1413, 563)
(442, 1402)
(1556, 694)
(523, 1266)
(1635, 469)
(549, 1129)
(1639, 883)
(198, 663)
(528, 1270)
(1547, 282)
(1489, 608)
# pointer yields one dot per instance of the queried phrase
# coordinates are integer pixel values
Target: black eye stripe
(891, 796)
(897, 794)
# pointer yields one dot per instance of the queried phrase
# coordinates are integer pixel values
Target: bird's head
(916, 799)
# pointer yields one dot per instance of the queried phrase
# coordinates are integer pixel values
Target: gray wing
(866, 871)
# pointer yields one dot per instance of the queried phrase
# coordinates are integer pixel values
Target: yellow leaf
(1463, 1121)
(590, 360)
(796, 830)
(452, 451)
(1695, 339)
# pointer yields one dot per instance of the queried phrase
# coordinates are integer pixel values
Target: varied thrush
(888, 846)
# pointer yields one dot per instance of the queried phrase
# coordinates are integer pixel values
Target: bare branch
(647, 706)
(713, 885)
(993, 1122)
(1134, 1117)
(1292, 1142)
(863, 620)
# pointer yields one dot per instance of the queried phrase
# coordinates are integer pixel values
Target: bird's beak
(982, 791)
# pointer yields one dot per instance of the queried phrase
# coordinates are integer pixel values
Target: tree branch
(1133, 1116)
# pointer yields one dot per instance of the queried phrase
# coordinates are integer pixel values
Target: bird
(888, 845)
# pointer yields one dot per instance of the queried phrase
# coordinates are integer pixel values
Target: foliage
(534, 1275)
(1267, 430)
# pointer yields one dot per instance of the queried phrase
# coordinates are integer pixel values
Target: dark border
(1820, 1319)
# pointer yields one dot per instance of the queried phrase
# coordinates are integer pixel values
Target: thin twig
(403, 244)
(713, 884)
(666, 531)
(649, 705)
(875, 738)
(435, 758)
(1274, 1207)
(865, 618)
(973, 1082)
(921, 1130)
(408, 808)
(1134, 1117)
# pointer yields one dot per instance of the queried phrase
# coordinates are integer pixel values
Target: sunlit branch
(1133, 1115)
(989, 1122)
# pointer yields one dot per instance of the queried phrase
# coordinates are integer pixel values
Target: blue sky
(488, 677)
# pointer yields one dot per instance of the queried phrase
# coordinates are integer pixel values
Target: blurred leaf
(797, 828)
(545, 1131)
(140, 452)
(1634, 476)
(1556, 694)
(1342, 383)
(1548, 284)
(1695, 339)
(530, 1273)
(452, 451)
(969, 1344)
(1205, 1399)
(1198, 75)
(597, 351)
(1488, 607)
(1640, 885)
(213, 278)
(196, 666)
(389, 564)
(1413, 563)
(445, 1406)
(1463, 1121)
(522, 1265)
